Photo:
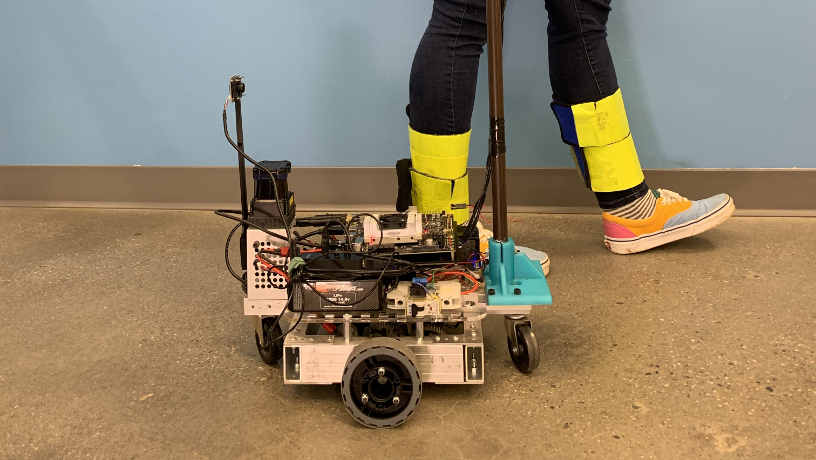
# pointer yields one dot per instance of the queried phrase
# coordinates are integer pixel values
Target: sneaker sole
(653, 240)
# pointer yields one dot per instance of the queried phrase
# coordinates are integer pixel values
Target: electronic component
(411, 233)
(334, 276)
(330, 296)
(263, 283)
(265, 208)
(415, 300)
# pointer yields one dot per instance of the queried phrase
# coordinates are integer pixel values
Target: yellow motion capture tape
(432, 196)
(444, 158)
(440, 156)
(614, 167)
(601, 123)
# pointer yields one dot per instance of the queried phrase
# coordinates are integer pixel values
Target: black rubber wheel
(381, 383)
(527, 356)
(273, 351)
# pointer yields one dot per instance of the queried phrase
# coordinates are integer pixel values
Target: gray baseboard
(756, 192)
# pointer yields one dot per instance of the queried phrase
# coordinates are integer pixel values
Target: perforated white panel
(262, 284)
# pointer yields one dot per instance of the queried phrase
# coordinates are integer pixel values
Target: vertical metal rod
(239, 129)
(497, 143)
(236, 91)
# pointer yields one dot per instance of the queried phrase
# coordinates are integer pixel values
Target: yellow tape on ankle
(440, 173)
(614, 167)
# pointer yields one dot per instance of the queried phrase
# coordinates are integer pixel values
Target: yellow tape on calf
(434, 196)
(601, 123)
(440, 156)
(444, 157)
(614, 167)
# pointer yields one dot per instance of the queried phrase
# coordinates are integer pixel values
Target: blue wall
(721, 84)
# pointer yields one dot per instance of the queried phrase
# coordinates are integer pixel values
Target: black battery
(332, 296)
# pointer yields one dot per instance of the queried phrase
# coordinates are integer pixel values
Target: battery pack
(331, 296)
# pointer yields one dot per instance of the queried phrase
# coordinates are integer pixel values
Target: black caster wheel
(381, 384)
(526, 355)
(272, 352)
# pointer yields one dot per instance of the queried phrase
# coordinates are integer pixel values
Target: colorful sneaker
(674, 218)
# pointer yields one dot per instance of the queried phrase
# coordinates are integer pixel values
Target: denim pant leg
(442, 88)
(581, 68)
(444, 72)
(443, 76)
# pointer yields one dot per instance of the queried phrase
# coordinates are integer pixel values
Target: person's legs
(442, 92)
(590, 112)
(442, 88)
(581, 68)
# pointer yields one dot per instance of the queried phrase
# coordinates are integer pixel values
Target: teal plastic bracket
(512, 278)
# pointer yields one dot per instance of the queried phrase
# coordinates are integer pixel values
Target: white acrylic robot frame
(313, 356)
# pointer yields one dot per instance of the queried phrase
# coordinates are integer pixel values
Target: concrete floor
(122, 336)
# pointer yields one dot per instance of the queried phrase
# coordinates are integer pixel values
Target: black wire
(379, 227)
(477, 207)
(271, 176)
(292, 329)
(226, 255)
(268, 261)
(226, 213)
(345, 231)
(365, 296)
(393, 261)
(277, 320)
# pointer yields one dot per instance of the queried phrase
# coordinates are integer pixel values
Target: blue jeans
(442, 88)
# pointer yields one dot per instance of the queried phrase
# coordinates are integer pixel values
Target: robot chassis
(380, 358)
(381, 340)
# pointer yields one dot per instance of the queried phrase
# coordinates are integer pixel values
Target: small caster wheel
(272, 352)
(526, 356)
(381, 384)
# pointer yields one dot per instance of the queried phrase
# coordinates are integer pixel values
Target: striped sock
(642, 208)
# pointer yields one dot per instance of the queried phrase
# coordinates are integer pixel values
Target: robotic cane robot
(382, 303)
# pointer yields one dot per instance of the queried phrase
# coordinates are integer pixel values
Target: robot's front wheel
(272, 350)
(381, 384)
(525, 354)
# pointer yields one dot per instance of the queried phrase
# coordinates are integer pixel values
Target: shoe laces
(669, 197)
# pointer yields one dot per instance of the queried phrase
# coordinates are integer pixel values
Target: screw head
(381, 371)
(364, 398)
(437, 339)
(396, 400)
(515, 350)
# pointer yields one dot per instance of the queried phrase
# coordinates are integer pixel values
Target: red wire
(475, 283)
(265, 263)
(280, 272)
(271, 268)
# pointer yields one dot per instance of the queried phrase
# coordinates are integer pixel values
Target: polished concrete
(122, 336)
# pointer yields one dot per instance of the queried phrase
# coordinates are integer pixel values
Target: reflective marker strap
(439, 173)
(566, 121)
(432, 195)
(614, 167)
(593, 124)
(439, 156)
